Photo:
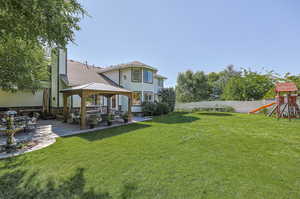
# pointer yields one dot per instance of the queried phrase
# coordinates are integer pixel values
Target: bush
(161, 108)
(148, 108)
(208, 109)
(155, 108)
(168, 97)
(229, 109)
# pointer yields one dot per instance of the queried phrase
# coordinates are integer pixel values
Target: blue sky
(176, 35)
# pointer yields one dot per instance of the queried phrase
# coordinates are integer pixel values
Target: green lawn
(184, 156)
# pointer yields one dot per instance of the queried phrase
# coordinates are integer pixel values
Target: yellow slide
(262, 107)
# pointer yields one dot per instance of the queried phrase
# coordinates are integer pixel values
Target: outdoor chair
(74, 118)
(31, 124)
(94, 119)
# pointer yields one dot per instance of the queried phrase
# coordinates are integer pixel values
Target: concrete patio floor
(48, 130)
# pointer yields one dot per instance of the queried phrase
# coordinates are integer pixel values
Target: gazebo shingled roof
(99, 87)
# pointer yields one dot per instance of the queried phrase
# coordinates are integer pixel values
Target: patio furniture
(94, 119)
(9, 113)
(31, 124)
(74, 118)
(30, 112)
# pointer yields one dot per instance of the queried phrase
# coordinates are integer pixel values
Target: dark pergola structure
(87, 90)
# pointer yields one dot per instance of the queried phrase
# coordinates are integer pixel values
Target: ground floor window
(136, 98)
(148, 96)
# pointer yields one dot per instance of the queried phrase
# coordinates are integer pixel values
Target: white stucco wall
(21, 99)
(113, 75)
(239, 106)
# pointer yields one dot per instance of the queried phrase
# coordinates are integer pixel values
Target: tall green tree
(224, 77)
(192, 86)
(28, 26)
(250, 86)
(22, 66)
(214, 89)
(40, 21)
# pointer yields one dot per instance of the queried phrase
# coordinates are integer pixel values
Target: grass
(182, 155)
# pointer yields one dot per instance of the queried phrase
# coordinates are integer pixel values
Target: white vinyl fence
(239, 106)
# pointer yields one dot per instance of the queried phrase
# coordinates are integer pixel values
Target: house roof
(96, 87)
(160, 76)
(286, 87)
(79, 74)
(134, 64)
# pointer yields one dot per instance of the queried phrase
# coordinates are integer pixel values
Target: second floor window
(148, 76)
(136, 75)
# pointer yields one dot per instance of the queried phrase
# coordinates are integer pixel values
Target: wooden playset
(286, 101)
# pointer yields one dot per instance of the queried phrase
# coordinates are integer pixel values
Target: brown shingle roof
(79, 74)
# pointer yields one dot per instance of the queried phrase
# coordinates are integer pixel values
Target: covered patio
(86, 90)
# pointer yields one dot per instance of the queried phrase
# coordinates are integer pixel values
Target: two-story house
(135, 76)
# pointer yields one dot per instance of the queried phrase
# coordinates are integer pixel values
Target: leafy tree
(286, 78)
(293, 78)
(192, 86)
(214, 89)
(26, 27)
(23, 65)
(224, 76)
(168, 96)
(40, 21)
(249, 86)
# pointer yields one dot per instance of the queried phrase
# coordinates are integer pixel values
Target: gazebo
(87, 90)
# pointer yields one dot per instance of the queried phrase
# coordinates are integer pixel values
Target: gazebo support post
(66, 108)
(83, 111)
(108, 103)
(129, 107)
(97, 101)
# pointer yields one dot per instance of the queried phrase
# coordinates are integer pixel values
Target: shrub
(168, 97)
(229, 109)
(148, 108)
(161, 108)
(209, 109)
(155, 108)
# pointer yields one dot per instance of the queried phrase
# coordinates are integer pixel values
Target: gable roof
(134, 64)
(80, 74)
(286, 87)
